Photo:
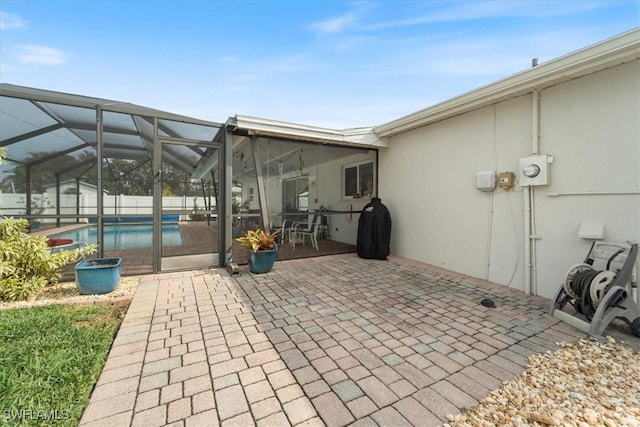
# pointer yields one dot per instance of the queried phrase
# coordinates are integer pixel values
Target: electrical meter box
(534, 170)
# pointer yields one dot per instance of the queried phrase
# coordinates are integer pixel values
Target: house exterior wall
(343, 226)
(591, 128)
(427, 180)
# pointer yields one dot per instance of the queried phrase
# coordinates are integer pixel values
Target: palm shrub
(259, 240)
(26, 263)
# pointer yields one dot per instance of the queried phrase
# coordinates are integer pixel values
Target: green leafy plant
(196, 214)
(258, 240)
(38, 205)
(26, 263)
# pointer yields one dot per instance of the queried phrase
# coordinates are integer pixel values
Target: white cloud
(42, 55)
(6, 68)
(291, 63)
(334, 25)
(353, 43)
(266, 70)
(492, 56)
(343, 22)
(468, 11)
(10, 20)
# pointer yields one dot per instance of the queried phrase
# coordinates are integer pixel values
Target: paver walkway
(326, 341)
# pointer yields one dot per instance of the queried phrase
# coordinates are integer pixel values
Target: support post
(100, 202)
(226, 177)
(157, 198)
(262, 199)
(57, 200)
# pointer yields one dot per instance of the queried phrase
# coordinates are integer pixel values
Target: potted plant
(196, 214)
(261, 249)
(98, 276)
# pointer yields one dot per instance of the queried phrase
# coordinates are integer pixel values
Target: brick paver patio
(331, 341)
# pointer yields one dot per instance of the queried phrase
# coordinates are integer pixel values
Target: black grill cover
(374, 230)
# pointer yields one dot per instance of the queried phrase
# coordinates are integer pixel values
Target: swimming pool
(124, 236)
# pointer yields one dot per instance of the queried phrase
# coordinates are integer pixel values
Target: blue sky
(338, 64)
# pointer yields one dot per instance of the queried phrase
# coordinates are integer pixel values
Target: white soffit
(606, 54)
(277, 129)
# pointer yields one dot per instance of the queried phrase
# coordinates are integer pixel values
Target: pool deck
(199, 238)
(63, 229)
(333, 341)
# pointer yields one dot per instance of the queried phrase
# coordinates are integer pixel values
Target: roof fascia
(615, 51)
(277, 129)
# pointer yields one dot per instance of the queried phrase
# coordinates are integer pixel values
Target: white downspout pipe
(535, 122)
(534, 237)
(530, 281)
(527, 242)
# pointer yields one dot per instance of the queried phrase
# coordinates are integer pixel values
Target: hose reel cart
(601, 288)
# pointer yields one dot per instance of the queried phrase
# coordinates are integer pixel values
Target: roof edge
(613, 51)
(274, 128)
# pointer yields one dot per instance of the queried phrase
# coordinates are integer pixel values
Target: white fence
(13, 204)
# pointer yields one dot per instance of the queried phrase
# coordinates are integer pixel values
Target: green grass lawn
(50, 359)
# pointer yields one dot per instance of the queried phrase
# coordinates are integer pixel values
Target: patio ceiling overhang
(355, 137)
(609, 53)
(287, 146)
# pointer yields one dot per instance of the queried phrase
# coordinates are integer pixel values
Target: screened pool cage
(170, 192)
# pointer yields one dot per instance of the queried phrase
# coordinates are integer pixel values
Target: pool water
(124, 236)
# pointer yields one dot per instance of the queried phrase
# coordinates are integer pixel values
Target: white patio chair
(300, 230)
(284, 230)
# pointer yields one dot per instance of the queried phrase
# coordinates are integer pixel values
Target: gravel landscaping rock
(585, 383)
(67, 293)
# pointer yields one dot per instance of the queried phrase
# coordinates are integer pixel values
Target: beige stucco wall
(590, 126)
(343, 227)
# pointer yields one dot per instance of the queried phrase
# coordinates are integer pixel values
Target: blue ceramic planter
(261, 261)
(98, 276)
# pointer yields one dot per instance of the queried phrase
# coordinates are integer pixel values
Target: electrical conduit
(530, 276)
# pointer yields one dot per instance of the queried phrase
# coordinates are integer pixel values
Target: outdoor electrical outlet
(506, 180)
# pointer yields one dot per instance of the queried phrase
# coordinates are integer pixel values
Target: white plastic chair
(284, 230)
(300, 230)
